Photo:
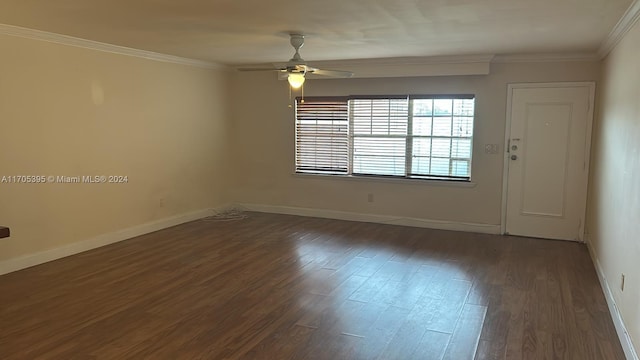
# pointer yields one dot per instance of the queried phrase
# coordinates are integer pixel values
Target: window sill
(428, 182)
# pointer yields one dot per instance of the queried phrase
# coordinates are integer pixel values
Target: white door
(548, 140)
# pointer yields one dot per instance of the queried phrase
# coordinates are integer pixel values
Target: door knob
(514, 157)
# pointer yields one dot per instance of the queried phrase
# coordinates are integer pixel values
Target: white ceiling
(255, 31)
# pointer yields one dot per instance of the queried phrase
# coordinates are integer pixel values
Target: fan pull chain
(290, 103)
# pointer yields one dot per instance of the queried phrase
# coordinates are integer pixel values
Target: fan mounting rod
(297, 41)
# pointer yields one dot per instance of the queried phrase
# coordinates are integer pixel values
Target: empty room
(320, 179)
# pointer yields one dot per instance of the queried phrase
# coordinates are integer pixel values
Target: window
(379, 136)
(413, 136)
(322, 136)
(441, 137)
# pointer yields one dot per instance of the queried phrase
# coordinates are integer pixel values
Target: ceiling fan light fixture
(295, 80)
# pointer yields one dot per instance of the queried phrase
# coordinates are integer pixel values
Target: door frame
(591, 85)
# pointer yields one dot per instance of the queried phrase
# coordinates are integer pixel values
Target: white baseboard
(23, 262)
(382, 219)
(618, 322)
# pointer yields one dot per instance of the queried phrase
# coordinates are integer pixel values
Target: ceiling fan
(296, 68)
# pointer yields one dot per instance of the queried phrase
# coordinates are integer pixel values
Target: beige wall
(263, 139)
(614, 197)
(72, 111)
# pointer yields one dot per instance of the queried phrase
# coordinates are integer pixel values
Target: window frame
(387, 136)
(322, 116)
(451, 137)
(409, 154)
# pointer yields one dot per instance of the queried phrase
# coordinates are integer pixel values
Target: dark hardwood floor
(286, 287)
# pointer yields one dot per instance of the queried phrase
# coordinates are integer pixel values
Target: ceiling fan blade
(258, 69)
(333, 73)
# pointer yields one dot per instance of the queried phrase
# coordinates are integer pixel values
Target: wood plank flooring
(287, 287)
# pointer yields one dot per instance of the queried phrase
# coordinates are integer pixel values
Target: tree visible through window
(412, 136)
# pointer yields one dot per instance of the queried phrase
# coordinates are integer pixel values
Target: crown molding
(625, 23)
(545, 57)
(18, 31)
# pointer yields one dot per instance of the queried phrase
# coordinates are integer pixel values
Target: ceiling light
(295, 80)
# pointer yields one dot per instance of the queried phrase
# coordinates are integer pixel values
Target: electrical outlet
(622, 283)
(370, 197)
(161, 202)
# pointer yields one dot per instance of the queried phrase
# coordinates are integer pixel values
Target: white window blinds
(322, 135)
(379, 136)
